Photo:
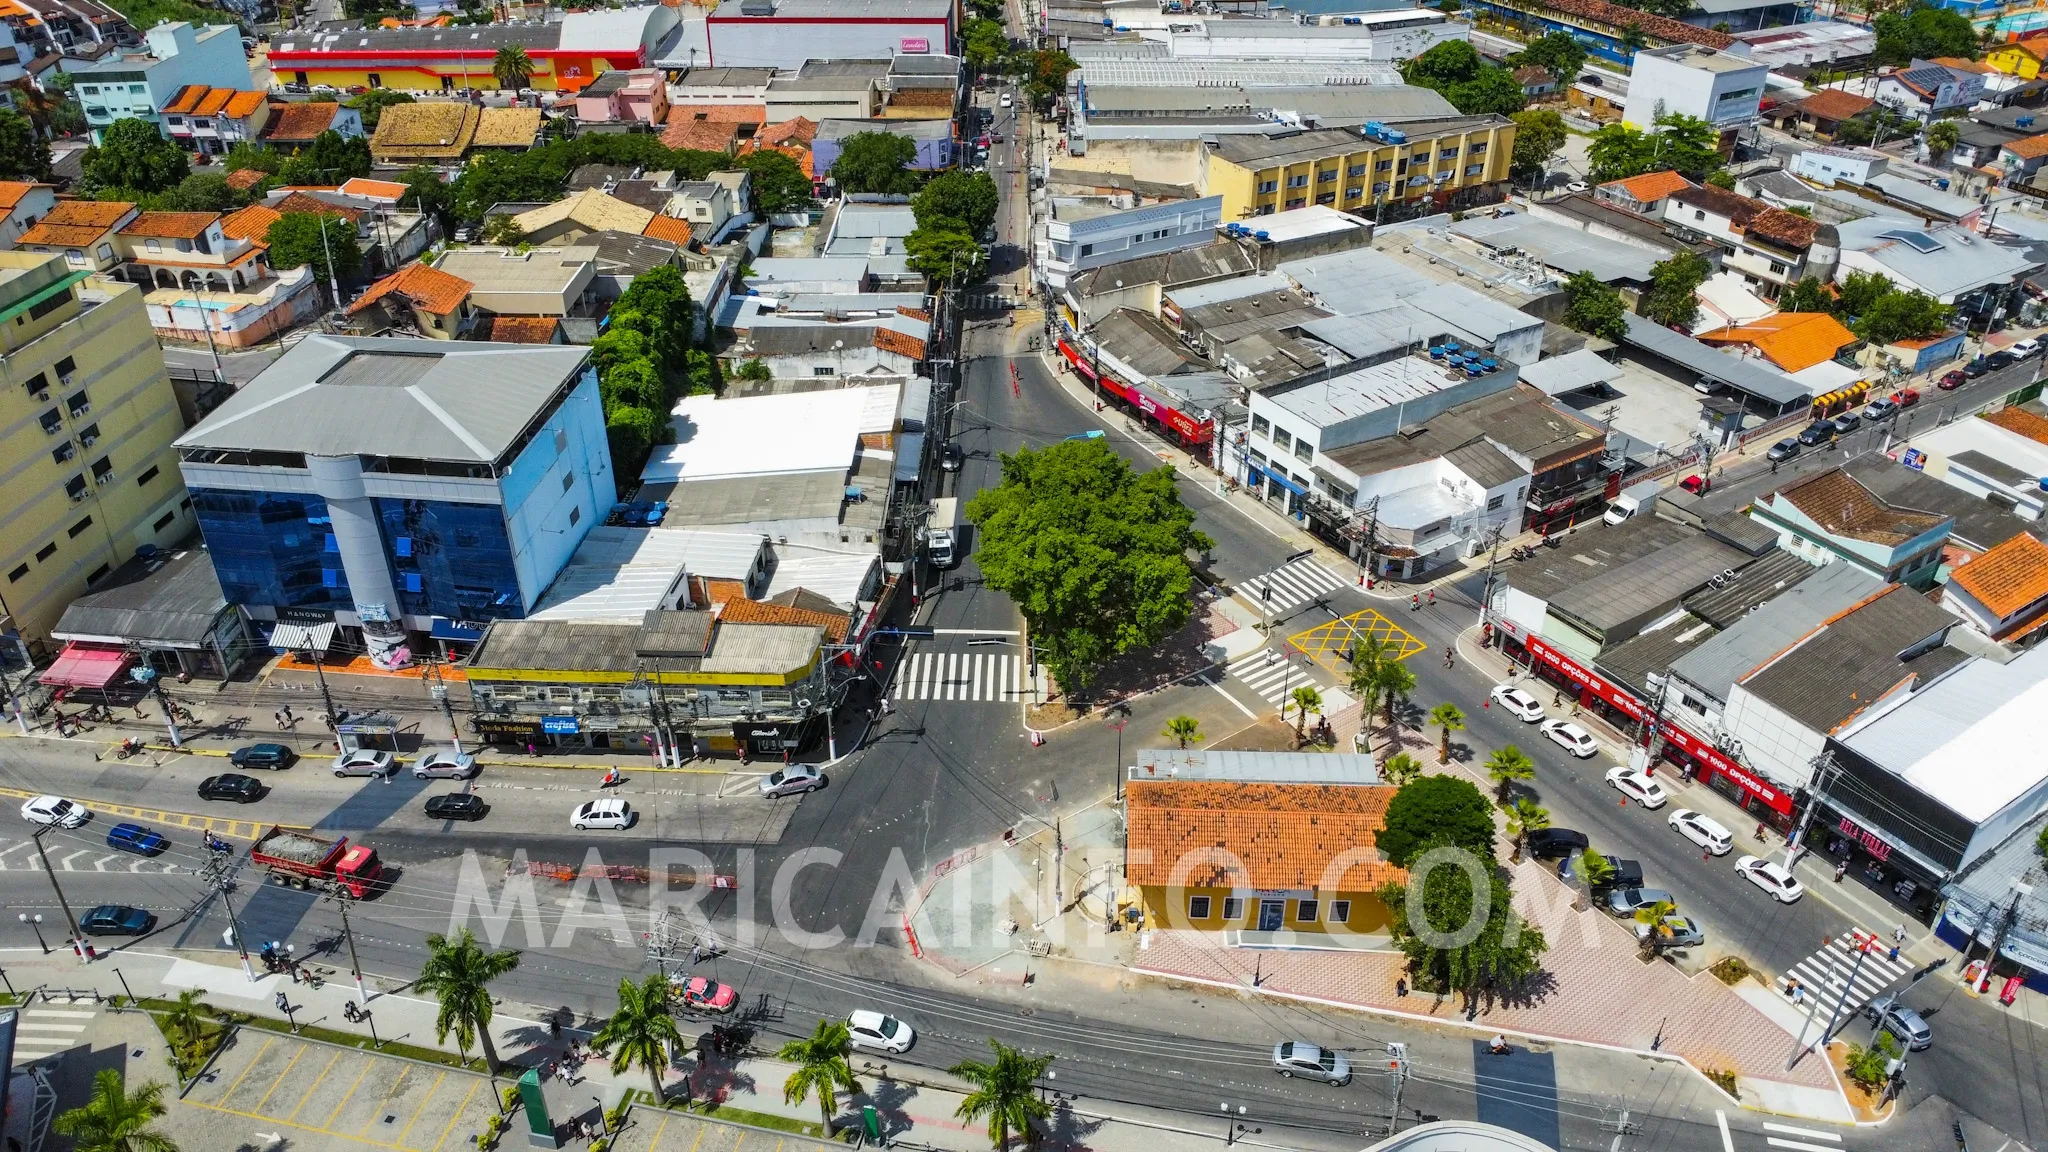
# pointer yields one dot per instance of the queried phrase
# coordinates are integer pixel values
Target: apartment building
(87, 417)
(1450, 160)
(140, 85)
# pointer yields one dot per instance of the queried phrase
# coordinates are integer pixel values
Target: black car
(231, 786)
(1554, 843)
(1817, 433)
(273, 757)
(116, 920)
(1976, 368)
(951, 457)
(2000, 359)
(1782, 451)
(456, 806)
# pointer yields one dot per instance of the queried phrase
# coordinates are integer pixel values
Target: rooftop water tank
(1262, 234)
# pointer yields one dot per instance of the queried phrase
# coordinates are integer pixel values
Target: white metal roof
(1569, 373)
(765, 435)
(621, 573)
(1960, 741)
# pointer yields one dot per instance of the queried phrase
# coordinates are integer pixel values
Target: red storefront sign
(1190, 429)
(1600, 687)
(1872, 844)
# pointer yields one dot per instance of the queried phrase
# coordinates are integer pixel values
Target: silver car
(1902, 1022)
(363, 762)
(445, 766)
(1629, 901)
(793, 780)
(1297, 1058)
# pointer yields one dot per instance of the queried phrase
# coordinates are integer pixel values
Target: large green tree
(133, 155)
(1433, 808)
(640, 1032)
(1045, 75)
(1858, 291)
(326, 242)
(1594, 308)
(1005, 1093)
(946, 253)
(1900, 316)
(1809, 295)
(1434, 919)
(1454, 69)
(329, 160)
(114, 1119)
(1094, 553)
(1557, 53)
(875, 162)
(1683, 144)
(458, 975)
(1539, 133)
(966, 197)
(23, 154)
(1923, 31)
(779, 185)
(984, 44)
(1669, 9)
(371, 104)
(1674, 285)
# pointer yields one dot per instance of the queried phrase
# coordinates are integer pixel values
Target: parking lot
(1647, 406)
(651, 1130)
(327, 1099)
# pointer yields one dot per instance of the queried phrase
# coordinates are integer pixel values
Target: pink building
(625, 94)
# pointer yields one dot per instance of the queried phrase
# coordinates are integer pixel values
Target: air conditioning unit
(105, 480)
(43, 395)
(78, 497)
(64, 379)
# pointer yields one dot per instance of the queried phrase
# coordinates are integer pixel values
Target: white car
(1771, 876)
(1636, 786)
(1571, 738)
(882, 1033)
(1702, 830)
(610, 812)
(792, 780)
(444, 765)
(2025, 348)
(1008, 100)
(364, 762)
(55, 810)
(1518, 703)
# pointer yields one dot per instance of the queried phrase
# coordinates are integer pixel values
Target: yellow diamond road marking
(239, 829)
(1330, 644)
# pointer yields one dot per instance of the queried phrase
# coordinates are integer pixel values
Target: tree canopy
(946, 252)
(372, 104)
(1539, 133)
(984, 44)
(1897, 316)
(646, 360)
(1594, 308)
(1094, 553)
(1809, 295)
(968, 198)
(1432, 925)
(133, 155)
(779, 185)
(330, 159)
(1436, 808)
(1671, 298)
(298, 239)
(23, 154)
(1045, 75)
(1454, 69)
(1683, 144)
(872, 162)
(538, 174)
(1922, 31)
(1556, 53)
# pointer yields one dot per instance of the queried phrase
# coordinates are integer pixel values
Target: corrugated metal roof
(1563, 248)
(1744, 375)
(1256, 767)
(1956, 740)
(1841, 669)
(1765, 629)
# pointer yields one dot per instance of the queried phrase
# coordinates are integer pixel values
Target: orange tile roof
(801, 130)
(890, 340)
(2031, 148)
(755, 612)
(300, 202)
(1794, 341)
(700, 135)
(375, 189)
(1835, 104)
(522, 329)
(170, 225)
(242, 105)
(668, 228)
(1223, 833)
(802, 155)
(186, 98)
(2008, 577)
(11, 191)
(1842, 506)
(914, 313)
(300, 122)
(1919, 342)
(75, 223)
(719, 113)
(2035, 46)
(1961, 65)
(1786, 229)
(2020, 422)
(243, 179)
(428, 288)
(1650, 187)
(251, 223)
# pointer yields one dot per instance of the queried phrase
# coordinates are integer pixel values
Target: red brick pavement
(1597, 991)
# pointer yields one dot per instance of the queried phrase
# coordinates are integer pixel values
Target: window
(330, 578)
(65, 369)
(46, 551)
(1475, 149)
(1198, 907)
(568, 481)
(1258, 457)
(1494, 502)
(89, 435)
(78, 403)
(1300, 181)
(63, 453)
(1297, 202)
(1327, 198)
(1355, 170)
(1087, 249)
(102, 470)
(1380, 188)
(98, 573)
(17, 574)
(1340, 911)
(1305, 911)
(1448, 154)
(412, 581)
(153, 245)
(1282, 440)
(575, 517)
(1354, 192)
(1329, 177)
(1418, 178)
(1261, 425)
(1303, 450)
(81, 526)
(163, 521)
(1268, 185)
(1777, 268)
(822, 371)
(37, 383)
(38, 311)
(1383, 166)
(1421, 157)
(1698, 215)
(148, 474)
(74, 255)
(1233, 909)
(331, 545)
(75, 488)
(175, 121)
(1474, 169)
(51, 421)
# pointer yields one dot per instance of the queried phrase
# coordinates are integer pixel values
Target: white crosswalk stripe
(1276, 681)
(1825, 973)
(1292, 584)
(22, 856)
(44, 1032)
(986, 676)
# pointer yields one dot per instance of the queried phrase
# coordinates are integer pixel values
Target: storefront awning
(300, 637)
(86, 666)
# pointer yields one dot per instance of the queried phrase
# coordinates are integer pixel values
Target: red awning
(87, 666)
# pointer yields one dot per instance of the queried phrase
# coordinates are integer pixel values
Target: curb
(557, 766)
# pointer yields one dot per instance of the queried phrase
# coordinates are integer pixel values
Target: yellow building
(1217, 854)
(2021, 58)
(1449, 160)
(88, 417)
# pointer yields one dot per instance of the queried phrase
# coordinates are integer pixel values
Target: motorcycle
(132, 746)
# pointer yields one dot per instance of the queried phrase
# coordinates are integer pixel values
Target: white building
(1088, 232)
(786, 33)
(1717, 86)
(1828, 165)
(1926, 89)
(138, 85)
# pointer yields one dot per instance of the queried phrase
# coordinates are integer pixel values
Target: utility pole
(220, 873)
(1397, 1061)
(2020, 891)
(1494, 535)
(1823, 767)
(343, 897)
(79, 943)
(439, 691)
(1864, 942)
(320, 674)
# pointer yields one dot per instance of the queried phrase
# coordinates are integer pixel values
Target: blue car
(117, 920)
(137, 839)
(1091, 434)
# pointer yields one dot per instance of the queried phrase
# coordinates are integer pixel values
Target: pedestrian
(529, 748)
(1841, 870)
(278, 717)
(1899, 936)
(288, 714)
(1432, 597)
(1894, 957)
(1414, 603)
(1447, 657)
(887, 707)
(283, 1005)
(696, 953)
(554, 1027)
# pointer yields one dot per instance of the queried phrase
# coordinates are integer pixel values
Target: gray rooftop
(727, 78)
(1363, 280)
(1749, 641)
(1144, 343)
(1561, 247)
(763, 649)
(485, 39)
(1254, 767)
(1213, 261)
(1840, 670)
(1653, 651)
(1518, 419)
(909, 129)
(566, 646)
(835, 9)
(1607, 576)
(1279, 149)
(1978, 523)
(628, 254)
(1744, 375)
(1942, 261)
(370, 396)
(165, 600)
(1723, 602)
(1983, 890)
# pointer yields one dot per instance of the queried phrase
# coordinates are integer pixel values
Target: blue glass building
(403, 485)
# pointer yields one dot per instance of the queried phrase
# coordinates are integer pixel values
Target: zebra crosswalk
(1291, 585)
(1824, 973)
(40, 1033)
(22, 855)
(993, 676)
(1276, 681)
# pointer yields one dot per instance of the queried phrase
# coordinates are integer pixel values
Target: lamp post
(36, 922)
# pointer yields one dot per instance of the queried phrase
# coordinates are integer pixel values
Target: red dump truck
(296, 857)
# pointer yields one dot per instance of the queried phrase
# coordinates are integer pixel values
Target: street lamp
(35, 922)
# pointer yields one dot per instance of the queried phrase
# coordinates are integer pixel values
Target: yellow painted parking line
(225, 1111)
(281, 1077)
(654, 1145)
(368, 1063)
(455, 1116)
(257, 1059)
(700, 1136)
(1329, 644)
(238, 829)
(315, 1085)
(431, 1089)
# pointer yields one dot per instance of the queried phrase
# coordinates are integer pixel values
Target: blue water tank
(1452, 346)
(1353, 20)
(1436, 352)
(1262, 234)
(1375, 129)
(1396, 136)
(2023, 122)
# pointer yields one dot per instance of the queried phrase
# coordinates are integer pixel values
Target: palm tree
(458, 973)
(821, 1067)
(185, 1019)
(116, 1120)
(1597, 869)
(1006, 1092)
(1507, 766)
(1447, 717)
(641, 1033)
(1525, 816)
(1183, 729)
(1366, 660)
(1654, 915)
(1395, 682)
(1306, 699)
(512, 68)
(1943, 137)
(1400, 768)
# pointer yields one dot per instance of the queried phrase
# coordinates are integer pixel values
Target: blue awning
(909, 456)
(1284, 482)
(446, 629)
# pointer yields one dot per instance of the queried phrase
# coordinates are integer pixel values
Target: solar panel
(1921, 242)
